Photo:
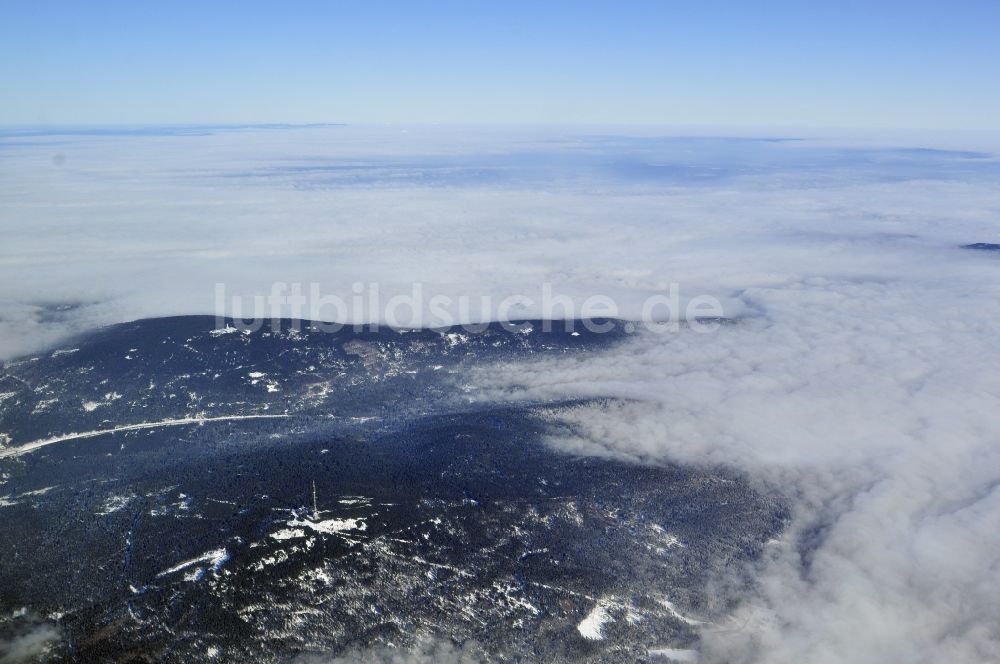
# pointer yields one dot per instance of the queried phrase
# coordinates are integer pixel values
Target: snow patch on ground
(592, 626)
(319, 574)
(288, 533)
(319, 390)
(214, 559)
(513, 597)
(672, 610)
(329, 526)
(259, 376)
(282, 555)
(668, 540)
(43, 405)
(114, 503)
(455, 338)
(218, 332)
(90, 406)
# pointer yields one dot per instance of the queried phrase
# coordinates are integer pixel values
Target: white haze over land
(862, 376)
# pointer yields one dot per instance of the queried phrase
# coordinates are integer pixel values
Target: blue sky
(890, 64)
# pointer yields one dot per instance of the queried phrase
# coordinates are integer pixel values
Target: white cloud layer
(863, 377)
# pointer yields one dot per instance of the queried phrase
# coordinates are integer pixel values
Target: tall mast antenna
(315, 508)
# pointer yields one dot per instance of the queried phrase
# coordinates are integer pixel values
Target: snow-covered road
(34, 445)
